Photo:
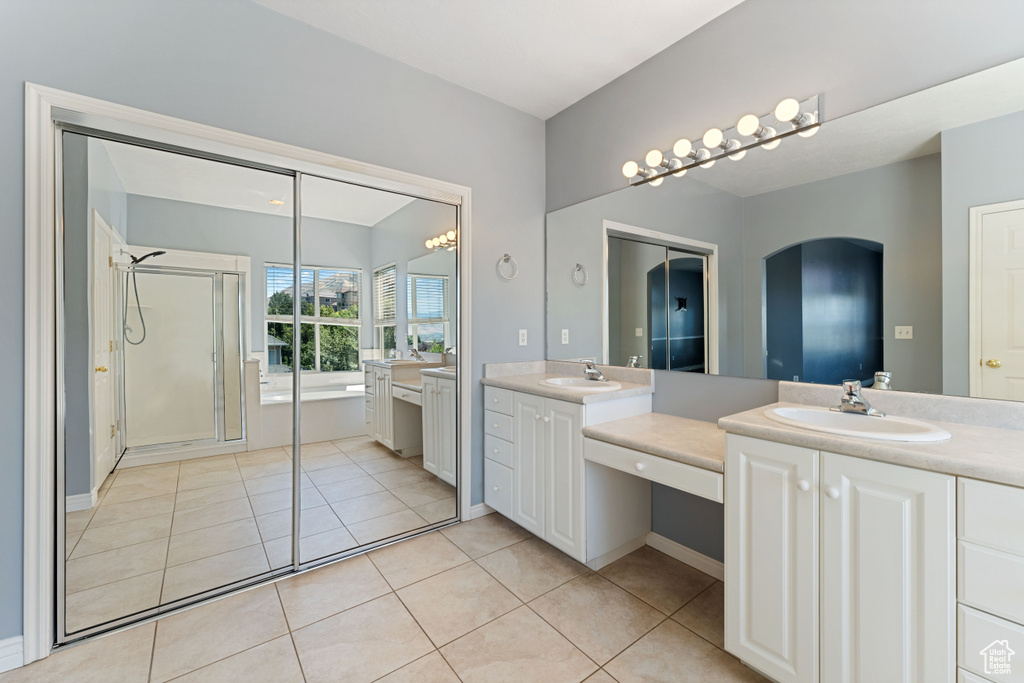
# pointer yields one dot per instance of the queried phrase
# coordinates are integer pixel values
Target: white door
(528, 472)
(101, 321)
(446, 430)
(888, 593)
(998, 286)
(430, 425)
(563, 422)
(771, 557)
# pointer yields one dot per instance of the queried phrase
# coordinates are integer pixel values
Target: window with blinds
(428, 312)
(385, 307)
(329, 310)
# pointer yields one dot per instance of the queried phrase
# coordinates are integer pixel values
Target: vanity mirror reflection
(837, 256)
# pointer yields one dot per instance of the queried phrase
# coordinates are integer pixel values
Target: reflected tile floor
(430, 609)
(163, 532)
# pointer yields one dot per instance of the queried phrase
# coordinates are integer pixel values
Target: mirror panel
(895, 180)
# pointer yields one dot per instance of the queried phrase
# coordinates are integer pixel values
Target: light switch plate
(904, 332)
(639, 331)
(522, 337)
(565, 336)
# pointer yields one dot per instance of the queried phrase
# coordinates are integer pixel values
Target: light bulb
(429, 243)
(682, 148)
(657, 181)
(810, 132)
(443, 239)
(709, 164)
(772, 145)
(748, 125)
(630, 169)
(787, 110)
(713, 138)
(735, 156)
(451, 234)
(654, 158)
(680, 174)
(808, 120)
(436, 241)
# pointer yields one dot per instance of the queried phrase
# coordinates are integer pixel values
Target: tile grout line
(291, 633)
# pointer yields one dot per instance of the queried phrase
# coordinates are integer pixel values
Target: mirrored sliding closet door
(228, 417)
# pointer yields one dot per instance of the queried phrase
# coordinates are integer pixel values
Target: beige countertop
(438, 372)
(986, 453)
(531, 384)
(423, 365)
(691, 442)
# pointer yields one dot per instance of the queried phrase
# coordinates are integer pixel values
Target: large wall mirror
(188, 326)
(889, 241)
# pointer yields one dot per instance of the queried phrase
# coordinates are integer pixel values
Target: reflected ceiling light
(276, 202)
(451, 235)
(792, 117)
(447, 240)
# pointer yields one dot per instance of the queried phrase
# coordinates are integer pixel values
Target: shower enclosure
(180, 358)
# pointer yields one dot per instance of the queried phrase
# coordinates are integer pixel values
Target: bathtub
(328, 413)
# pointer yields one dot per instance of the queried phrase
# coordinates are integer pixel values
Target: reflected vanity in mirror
(181, 364)
(832, 257)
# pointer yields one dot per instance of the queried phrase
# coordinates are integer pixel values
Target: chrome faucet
(854, 402)
(883, 380)
(633, 362)
(416, 354)
(592, 372)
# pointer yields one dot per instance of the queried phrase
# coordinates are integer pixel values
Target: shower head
(146, 256)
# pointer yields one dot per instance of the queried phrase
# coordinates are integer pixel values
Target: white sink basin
(580, 384)
(886, 428)
(401, 361)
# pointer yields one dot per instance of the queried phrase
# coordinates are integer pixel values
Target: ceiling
(153, 173)
(539, 56)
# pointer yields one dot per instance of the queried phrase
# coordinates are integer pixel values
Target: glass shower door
(170, 369)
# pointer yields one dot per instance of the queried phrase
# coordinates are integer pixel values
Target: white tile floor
(164, 532)
(482, 601)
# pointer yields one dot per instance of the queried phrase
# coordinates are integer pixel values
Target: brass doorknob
(102, 368)
(993, 363)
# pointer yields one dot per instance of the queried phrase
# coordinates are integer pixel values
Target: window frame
(413, 322)
(316, 319)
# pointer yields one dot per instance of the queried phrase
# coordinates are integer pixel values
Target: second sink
(580, 384)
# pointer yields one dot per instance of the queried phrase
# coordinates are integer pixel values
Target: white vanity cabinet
(439, 427)
(383, 427)
(838, 568)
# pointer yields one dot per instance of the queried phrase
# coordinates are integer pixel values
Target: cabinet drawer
(700, 482)
(498, 487)
(368, 403)
(498, 400)
(407, 395)
(498, 425)
(976, 631)
(991, 515)
(498, 450)
(991, 580)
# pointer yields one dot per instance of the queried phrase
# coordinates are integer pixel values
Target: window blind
(428, 298)
(384, 296)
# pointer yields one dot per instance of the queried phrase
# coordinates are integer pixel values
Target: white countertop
(987, 453)
(531, 384)
(691, 442)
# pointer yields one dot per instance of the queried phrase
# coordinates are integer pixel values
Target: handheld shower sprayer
(138, 304)
(146, 256)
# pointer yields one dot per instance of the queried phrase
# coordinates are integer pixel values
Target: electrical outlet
(639, 331)
(796, 378)
(522, 337)
(904, 332)
(565, 336)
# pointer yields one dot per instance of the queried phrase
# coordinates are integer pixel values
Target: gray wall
(240, 66)
(689, 209)
(858, 54)
(169, 224)
(981, 164)
(106, 191)
(898, 205)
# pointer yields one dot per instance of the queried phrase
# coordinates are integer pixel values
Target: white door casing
(771, 557)
(103, 392)
(888, 590)
(997, 301)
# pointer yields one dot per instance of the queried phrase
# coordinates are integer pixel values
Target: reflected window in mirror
(385, 305)
(427, 297)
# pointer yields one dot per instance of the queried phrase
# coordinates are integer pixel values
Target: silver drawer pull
(547, 419)
(639, 467)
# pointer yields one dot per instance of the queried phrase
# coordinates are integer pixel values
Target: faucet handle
(851, 386)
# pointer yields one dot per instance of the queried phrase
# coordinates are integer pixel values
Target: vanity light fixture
(790, 117)
(448, 240)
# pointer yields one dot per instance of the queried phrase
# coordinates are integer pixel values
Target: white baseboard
(620, 552)
(687, 555)
(11, 654)
(79, 502)
(479, 510)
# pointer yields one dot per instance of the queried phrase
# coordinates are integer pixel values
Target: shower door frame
(48, 112)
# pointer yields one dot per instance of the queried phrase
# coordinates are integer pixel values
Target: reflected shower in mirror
(833, 257)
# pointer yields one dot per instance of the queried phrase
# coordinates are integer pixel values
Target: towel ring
(515, 267)
(576, 275)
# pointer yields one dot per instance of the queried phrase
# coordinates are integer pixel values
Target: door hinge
(111, 345)
(110, 262)
(112, 431)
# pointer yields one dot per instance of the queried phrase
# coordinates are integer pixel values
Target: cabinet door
(528, 458)
(378, 411)
(386, 411)
(887, 572)
(446, 430)
(563, 507)
(430, 425)
(771, 557)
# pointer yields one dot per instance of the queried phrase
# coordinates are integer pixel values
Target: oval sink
(886, 428)
(580, 384)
